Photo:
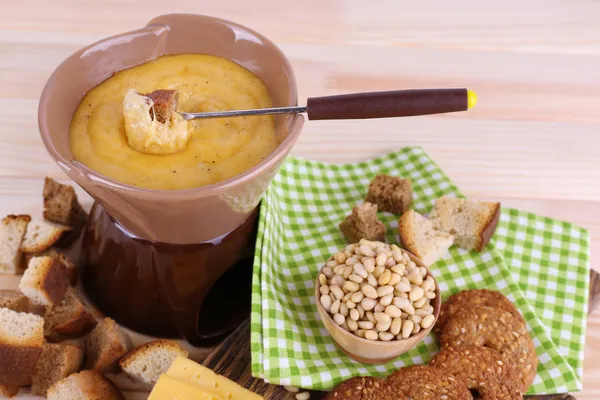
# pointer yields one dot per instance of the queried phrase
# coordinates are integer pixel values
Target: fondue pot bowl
(150, 258)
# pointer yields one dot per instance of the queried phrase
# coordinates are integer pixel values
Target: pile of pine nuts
(377, 292)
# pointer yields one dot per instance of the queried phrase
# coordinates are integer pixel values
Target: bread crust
(165, 104)
(17, 364)
(490, 228)
(91, 384)
(76, 325)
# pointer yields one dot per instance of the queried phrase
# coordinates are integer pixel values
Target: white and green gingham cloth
(541, 264)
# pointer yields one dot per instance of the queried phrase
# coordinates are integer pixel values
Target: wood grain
(532, 142)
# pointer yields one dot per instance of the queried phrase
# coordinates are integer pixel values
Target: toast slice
(12, 232)
(165, 104)
(41, 235)
(13, 300)
(85, 385)
(146, 363)
(105, 345)
(418, 237)
(46, 280)
(68, 320)
(472, 223)
(21, 341)
(56, 362)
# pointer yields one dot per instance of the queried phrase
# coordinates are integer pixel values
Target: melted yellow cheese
(146, 134)
(187, 370)
(169, 388)
(216, 149)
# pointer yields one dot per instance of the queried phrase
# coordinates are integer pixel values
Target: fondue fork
(395, 103)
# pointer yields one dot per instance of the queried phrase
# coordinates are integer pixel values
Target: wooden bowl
(375, 351)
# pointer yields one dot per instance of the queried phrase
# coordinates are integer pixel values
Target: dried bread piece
(85, 385)
(165, 104)
(70, 319)
(471, 223)
(363, 223)
(418, 237)
(56, 362)
(41, 235)
(46, 280)
(51, 252)
(21, 341)
(13, 300)
(147, 362)
(390, 193)
(12, 232)
(61, 205)
(105, 345)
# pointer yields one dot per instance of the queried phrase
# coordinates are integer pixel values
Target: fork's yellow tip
(471, 99)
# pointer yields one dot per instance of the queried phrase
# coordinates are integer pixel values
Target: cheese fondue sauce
(217, 149)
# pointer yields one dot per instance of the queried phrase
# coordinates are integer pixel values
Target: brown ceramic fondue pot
(150, 258)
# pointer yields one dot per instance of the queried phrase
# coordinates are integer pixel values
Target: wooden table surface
(532, 142)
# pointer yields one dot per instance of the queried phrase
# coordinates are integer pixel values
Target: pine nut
(340, 257)
(337, 292)
(385, 290)
(346, 297)
(371, 317)
(344, 309)
(381, 260)
(369, 264)
(385, 277)
(372, 280)
(371, 335)
(394, 279)
(352, 325)
(421, 312)
(360, 270)
(337, 280)
(415, 277)
(378, 271)
(379, 317)
(368, 304)
(395, 326)
(356, 278)
(339, 270)
(335, 307)
(378, 308)
(430, 295)
(360, 333)
(428, 284)
(354, 314)
(357, 296)
(407, 328)
(350, 304)
(347, 272)
(353, 286)
(404, 295)
(415, 294)
(416, 319)
(322, 279)
(361, 311)
(348, 253)
(303, 396)
(328, 272)
(397, 255)
(326, 302)
(390, 262)
(402, 287)
(369, 291)
(365, 324)
(420, 303)
(398, 269)
(351, 260)
(331, 264)
(324, 289)
(430, 309)
(393, 311)
(367, 251)
(386, 300)
(427, 321)
(383, 326)
(423, 272)
(339, 319)
(385, 336)
(291, 389)
(416, 329)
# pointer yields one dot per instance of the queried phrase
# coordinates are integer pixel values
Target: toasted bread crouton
(46, 280)
(147, 362)
(9, 391)
(13, 300)
(471, 223)
(61, 205)
(165, 104)
(390, 193)
(21, 341)
(41, 235)
(105, 345)
(363, 223)
(56, 362)
(12, 232)
(51, 252)
(84, 385)
(68, 320)
(418, 237)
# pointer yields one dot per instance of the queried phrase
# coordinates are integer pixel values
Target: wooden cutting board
(232, 359)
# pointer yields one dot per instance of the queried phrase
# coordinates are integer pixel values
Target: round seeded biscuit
(483, 370)
(481, 297)
(363, 388)
(497, 329)
(421, 382)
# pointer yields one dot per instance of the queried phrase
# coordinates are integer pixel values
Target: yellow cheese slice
(169, 388)
(189, 371)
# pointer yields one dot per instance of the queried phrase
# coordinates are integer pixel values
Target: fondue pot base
(197, 292)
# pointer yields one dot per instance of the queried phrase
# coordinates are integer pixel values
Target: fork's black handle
(396, 103)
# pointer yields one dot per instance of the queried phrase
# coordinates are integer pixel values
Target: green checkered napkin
(298, 231)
